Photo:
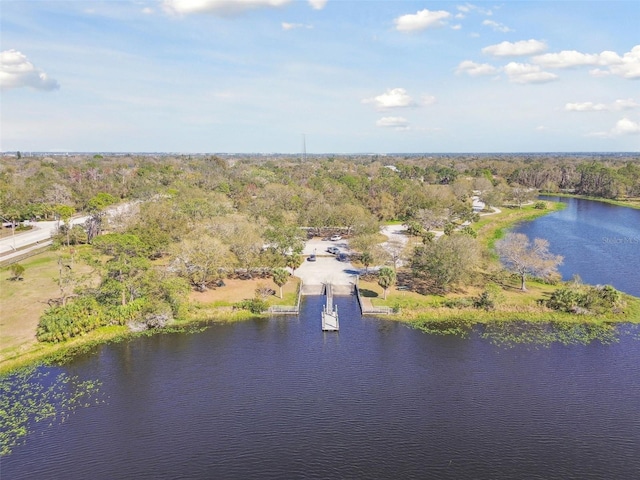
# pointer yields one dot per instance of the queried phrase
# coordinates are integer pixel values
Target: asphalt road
(40, 234)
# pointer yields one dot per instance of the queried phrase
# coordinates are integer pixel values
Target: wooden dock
(330, 322)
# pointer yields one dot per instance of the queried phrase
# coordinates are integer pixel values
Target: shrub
(58, 324)
(484, 301)
(254, 305)
(16, 271)
(578, 298)
(540, 205)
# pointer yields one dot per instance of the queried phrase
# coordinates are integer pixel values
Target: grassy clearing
(491, 228)
(22, 303)
(513, 305)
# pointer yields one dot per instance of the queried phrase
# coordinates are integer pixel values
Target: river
(599, 242)
(279, 399)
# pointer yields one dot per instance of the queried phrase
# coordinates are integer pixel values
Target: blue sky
(353, 76)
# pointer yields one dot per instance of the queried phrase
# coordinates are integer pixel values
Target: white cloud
(625, 66)
(428, 100)
(497, 26)
(148, 11)
(630, 66)
(468, 8)
(292, 26)
(515, 49)
(392, 98)
(623, 126)
(626, 127)
(585, 107)
(421, 20)
(318, 4)
(620, 104)
(17, 71)
(625, 104)
(399, 123)
(474, 69)
(456, 27)
(572, 58)
(218, 7)
(527, 73)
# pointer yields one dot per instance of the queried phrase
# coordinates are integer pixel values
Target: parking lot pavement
(326, 268)
(319, 246)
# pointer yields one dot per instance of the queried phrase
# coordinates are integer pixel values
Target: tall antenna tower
(304, 147)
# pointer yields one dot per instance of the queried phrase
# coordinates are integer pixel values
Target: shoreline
(617, 203)
(201, 315)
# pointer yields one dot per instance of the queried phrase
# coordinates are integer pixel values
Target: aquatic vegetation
(507, 334)
(36, 395)
(461, 328)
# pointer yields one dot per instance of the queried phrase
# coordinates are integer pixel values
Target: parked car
(312, 257)
(343, 257)
(335, 238)
(333, 250)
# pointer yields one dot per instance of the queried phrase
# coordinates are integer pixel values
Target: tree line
(188, 222)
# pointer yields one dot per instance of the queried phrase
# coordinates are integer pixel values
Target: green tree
(523, 257)
(386, 278)
(202, 260)
(294, 261)
(445, 262)
(65, 213)
(127, 263)
(367, 259)
(101, 201)
(17, 271)
(280, 278)
(285, 239)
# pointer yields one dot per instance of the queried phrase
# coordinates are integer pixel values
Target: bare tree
(525, 258)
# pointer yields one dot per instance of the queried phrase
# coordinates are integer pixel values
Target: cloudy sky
(352, 76)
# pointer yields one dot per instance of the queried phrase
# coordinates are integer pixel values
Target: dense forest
(187, 222)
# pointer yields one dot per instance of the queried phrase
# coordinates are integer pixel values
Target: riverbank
(511, 304)
(630, 202)
(21, 314)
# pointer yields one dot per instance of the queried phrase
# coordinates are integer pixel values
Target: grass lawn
(22, 302)
(491, 227)
(236, 290)
(513, 304)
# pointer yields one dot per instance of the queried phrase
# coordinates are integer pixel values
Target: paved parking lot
(326, 268)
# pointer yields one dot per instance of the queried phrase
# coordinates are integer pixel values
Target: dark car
(312, 257)
(343, 257)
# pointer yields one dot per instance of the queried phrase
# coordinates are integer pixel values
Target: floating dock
(330, 321)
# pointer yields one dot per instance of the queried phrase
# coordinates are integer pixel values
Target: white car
(335, 238)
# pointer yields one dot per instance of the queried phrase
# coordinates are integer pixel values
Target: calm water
(278, 399)
(599, 242)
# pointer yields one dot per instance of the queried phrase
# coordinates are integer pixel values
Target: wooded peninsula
(168, 241)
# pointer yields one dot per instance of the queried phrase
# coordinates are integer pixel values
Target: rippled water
(278, 399)
(599, 242)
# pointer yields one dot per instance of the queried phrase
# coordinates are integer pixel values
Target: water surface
(600, 242)
(274, 399)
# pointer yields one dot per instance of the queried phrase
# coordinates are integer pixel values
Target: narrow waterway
(599, 242)
(277, 398)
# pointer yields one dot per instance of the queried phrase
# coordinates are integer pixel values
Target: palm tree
(367, 259)
(293, 262)
(280, 277)
(386, 278)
